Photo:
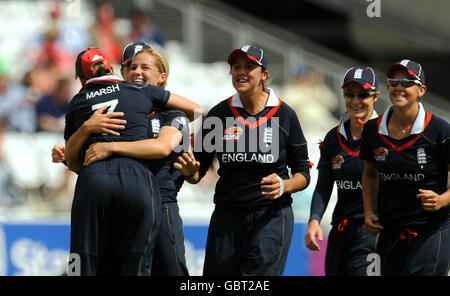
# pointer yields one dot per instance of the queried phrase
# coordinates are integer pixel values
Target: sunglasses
(402, 81)
(361, 95)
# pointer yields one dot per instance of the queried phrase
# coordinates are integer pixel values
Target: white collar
(346, 118)
(419, 123)
(103, 78)
(271, 102)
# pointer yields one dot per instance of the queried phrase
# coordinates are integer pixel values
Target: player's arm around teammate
(121, 240)
(100, 123)
(97, 123)
(147, 66)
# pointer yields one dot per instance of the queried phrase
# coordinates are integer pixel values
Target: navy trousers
(114, 218)
(417, 250)
(169, 255)
(248, 242)
(348, 246)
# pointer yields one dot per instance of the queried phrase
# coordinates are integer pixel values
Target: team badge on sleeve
(380, 154)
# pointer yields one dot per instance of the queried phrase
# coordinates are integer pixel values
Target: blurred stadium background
(309, 45)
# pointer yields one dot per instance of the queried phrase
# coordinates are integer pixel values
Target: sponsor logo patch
(232, 133)
(336, 162)
(380, 154)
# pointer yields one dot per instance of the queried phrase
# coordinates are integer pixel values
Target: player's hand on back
(98, 151)
(101, 122)
(58, 153)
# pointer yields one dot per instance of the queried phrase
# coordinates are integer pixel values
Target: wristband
(281, 185)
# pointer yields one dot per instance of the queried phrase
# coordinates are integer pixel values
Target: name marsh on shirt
(103, 91)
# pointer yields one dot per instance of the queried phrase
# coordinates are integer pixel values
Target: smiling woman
(348, 242)
(149, 66)
(252, 225)
(405, 191)
(405, 94)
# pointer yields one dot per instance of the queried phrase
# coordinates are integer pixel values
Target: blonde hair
(161, 62)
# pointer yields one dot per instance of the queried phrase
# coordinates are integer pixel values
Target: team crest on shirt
(421, 156)
(156, 125)
(267, 136)
(336, 162)
(232, 133)
(380, 154)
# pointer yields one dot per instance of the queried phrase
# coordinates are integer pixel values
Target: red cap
(86, 59)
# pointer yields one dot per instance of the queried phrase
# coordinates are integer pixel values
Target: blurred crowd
(38, 99)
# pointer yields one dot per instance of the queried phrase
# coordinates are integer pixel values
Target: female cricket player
(406, 154)
(349, 244)
(256, 137)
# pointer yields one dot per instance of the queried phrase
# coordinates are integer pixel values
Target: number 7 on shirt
(112, 105)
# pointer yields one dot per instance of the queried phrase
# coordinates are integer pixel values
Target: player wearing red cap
(349, 244)
(114, 212)
(143, 63)
(405, 190)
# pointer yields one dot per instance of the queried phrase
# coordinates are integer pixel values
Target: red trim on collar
(344, 147)
(253, 125)
(151, 114)
(111, 79)
(410, 142)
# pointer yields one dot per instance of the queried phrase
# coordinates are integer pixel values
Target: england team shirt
(169, 179)
(136, 101)
(250, 147)
(340, 163)
(405, 166)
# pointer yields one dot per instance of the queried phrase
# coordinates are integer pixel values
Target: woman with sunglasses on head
(349, 244)
(256, 137)
(115, 210)
(406, 154)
